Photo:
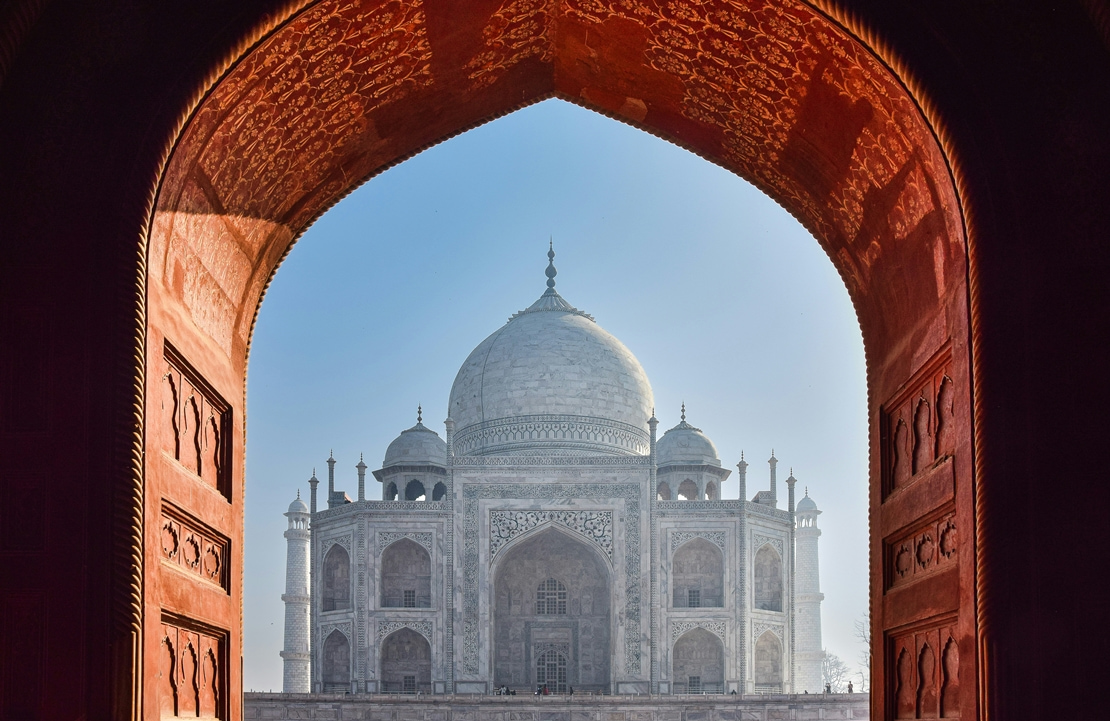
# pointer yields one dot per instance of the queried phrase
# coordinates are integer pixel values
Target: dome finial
(419, 413)
(683, 410)
(298, 494)
(551, 272)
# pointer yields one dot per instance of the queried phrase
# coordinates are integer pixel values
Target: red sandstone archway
(783, 96)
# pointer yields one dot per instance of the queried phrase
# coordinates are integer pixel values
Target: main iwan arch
(325, 95)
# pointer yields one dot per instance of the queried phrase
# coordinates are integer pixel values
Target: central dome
(551, 382)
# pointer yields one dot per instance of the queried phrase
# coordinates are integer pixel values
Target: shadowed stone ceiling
(780, 95)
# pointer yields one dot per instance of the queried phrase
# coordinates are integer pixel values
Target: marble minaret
(807, 611)
(295, 678)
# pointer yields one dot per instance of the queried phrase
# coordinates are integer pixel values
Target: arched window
(698, 575)
(711, 492)
(768, 664)
(406, 663)
(551, 671)
(389, 492)
(768, 579)
(663, 492)
(439, 491)
(337, 579)
(414, 491)
(688, 490)
(337, 663)
(551, 598)
(406, 575)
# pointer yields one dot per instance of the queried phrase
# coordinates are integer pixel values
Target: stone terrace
(796, 707)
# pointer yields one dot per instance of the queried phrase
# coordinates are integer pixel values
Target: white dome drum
(551, 382)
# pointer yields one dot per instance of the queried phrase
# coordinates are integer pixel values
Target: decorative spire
(683, 411)
(298, 494)
(551, 272)
(419, 414)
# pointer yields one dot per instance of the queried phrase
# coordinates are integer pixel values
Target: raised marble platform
(462, 707)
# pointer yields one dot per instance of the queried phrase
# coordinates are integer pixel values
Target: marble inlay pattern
(628, 492)
(717, 628)
(679, 537)
(596, 526)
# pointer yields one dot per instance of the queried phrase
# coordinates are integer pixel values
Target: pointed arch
(414, 490)
(698, 662)
(572, 575)
(337, 580)
(768, 663)
(663, 491)
(406, 575)
(336, 663)
(698, 575)
(767, 579)
(688, 490)
(406, 662)
(439, 491)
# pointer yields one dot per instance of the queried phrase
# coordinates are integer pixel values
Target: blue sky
(728, 303)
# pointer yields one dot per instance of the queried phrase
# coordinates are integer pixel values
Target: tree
(834, 672)
(863, 635)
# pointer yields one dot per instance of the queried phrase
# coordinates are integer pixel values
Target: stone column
(810, 650)
(742, 585)
(653, 576)
(790, 570)
(296, 654)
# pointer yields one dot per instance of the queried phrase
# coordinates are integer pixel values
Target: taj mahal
(552, 538)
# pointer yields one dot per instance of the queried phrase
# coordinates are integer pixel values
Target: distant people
(539, 690)
(828, 688)
(545, 691)
(572, 690)
(732, 692)
(849, 687)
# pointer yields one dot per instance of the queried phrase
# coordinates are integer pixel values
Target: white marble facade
(551, 538)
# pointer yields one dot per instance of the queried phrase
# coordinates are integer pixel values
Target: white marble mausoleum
(552, 537)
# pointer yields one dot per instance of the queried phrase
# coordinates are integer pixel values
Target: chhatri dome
(418, 445)
(685, 444)
(551, 381)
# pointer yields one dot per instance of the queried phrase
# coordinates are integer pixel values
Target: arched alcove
(551, 577)
(663, 491)
(767, 579)
(414, 491)
(835, 137)
(698, 575)
(768, 664)
(439, 491)
(406, 575)
(406, 662)
(336, 668)
(336, 586)
(688, 490)
(698, 663)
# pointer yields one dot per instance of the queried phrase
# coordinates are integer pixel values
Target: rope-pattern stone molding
(628, 492)
(387, 537)
(717, 628)
(759, 540)
(595, 526)
(424, 628)
(715, 537)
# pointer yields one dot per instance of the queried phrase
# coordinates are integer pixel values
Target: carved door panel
(923, 611)
(193, 509)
